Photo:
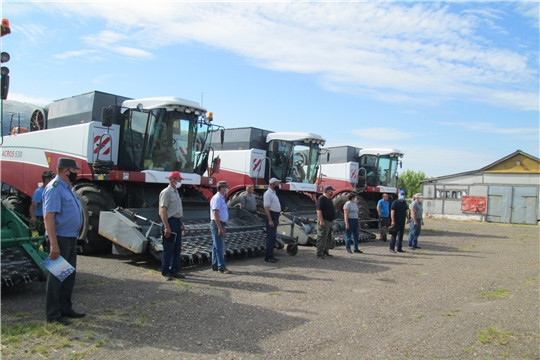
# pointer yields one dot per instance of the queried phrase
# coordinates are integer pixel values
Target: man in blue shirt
(383, 208)
(36, 208)
(63, 220)
(219, 215)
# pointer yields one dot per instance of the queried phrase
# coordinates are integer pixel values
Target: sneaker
(327, 254)
(178, 276)
(349, 251)
(416, 247)
(224, 270)
(358, 251)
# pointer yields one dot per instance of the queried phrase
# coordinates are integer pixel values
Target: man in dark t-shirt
(398, 213)
(326, 214)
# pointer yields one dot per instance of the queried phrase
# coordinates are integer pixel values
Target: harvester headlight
(125, 176)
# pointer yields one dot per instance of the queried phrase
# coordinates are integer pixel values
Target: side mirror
(222, 136)
(107, 116)
(400, 164)
(328, 157)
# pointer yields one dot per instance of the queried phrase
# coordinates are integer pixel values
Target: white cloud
(74, 53)
(488, 127)
(397, 52)
(389, 134)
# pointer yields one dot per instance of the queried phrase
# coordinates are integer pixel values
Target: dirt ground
(470, 292)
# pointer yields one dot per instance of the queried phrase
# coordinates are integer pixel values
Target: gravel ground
(432, 303)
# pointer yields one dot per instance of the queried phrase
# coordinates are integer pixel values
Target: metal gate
(512, 204)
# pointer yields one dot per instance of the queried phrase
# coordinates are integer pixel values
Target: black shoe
(166, 275)
(320, 256)
(416, 247)
(178, 276)
(276, 259)
(349, 251)
(401, 251)
(60, 321)
(224, 270)
(270, 260)
(214, 268)
(358, 251)
(327, 254)
(73, 314)
(392, 250)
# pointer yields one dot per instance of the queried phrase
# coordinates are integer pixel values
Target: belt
(222, 223)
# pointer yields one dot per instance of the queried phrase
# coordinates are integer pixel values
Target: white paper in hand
(59, 267)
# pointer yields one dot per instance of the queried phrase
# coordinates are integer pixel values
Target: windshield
(294, 161)
(164, 140)
(381, 172)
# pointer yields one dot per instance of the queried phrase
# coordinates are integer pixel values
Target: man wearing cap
(416, 221)
(219, 215)
(383, 208)
(62, 213)
(272, 208)
(398, 214)
(36, 208)
(171, 213)
(326, 213)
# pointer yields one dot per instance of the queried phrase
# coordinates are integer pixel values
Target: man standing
(36, 208)
(383, 208)
(272, 208)
(248, 201)
(398, 213)
(326, 214)
(219, 215)
(63, 220)
(416, 221)
(171, 213)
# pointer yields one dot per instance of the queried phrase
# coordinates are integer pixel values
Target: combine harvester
(251, 156)
(125, 160)
(367, 172)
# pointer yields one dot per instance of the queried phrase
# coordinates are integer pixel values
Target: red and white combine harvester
(125, 160)
(368, 172)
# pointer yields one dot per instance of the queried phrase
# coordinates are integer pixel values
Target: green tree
(410, 182)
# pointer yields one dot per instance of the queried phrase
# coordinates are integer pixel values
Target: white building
(507, 191)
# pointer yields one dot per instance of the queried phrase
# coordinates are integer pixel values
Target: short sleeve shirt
(248, 200)
(59, 198)
(218, 203)
(416, 206)
(400, 211)
(170, 199)
(271, 200)
(37, 198)
(385, 208)
(326, 206)
(352, 208)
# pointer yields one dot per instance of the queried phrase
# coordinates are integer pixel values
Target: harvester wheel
(292, 249)
(363, 209)
(236, 199)
(340, 200)
(93, 200)
(18, 204)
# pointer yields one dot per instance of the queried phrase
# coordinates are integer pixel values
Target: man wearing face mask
(62, 213)
(219, 215)
(272, 208)
(398, 213)
(171, 213)
(416, 221)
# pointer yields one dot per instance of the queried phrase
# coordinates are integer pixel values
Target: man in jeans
(272, 208)
(416, 221)
(398, 213)
(383, 208)
(219, 215)
(326, 214)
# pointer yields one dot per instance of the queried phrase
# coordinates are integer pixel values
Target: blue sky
(455, 86)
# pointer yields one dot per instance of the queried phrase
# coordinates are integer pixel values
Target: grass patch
(285, 266)
(493, 336)
(34, 337)
(20, 314)
(525, 284)
(142, 320)
(184, 285)
(417, 318)
(469, 350)
(275, 293)
(500, 293)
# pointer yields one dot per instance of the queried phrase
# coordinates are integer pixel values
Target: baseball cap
(328, 187)
(402, 192)
(67, 162)
(273, 180)
(175, 175)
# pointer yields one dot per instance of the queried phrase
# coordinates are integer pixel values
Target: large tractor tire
(340, 200)
(236, 198)
(93, 200)
(363, 209)
(18, 204)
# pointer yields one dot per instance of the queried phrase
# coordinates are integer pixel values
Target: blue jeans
(218, 246)
(353, 231)
(414, 233)
(399, 236)
(170, 259)
(271, 234)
